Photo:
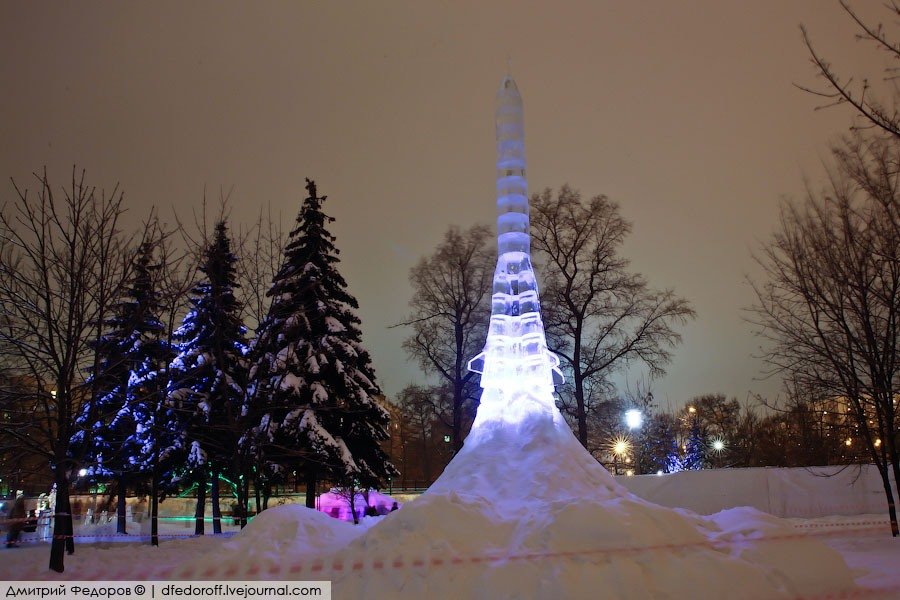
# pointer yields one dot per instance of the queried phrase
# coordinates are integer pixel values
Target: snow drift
(524, 512)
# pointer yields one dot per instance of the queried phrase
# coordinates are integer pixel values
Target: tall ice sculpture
(517, 370)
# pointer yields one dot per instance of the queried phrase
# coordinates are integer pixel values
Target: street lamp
(633, 418)
(620, 447)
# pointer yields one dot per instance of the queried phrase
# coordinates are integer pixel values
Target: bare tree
(874, 103)
(21, 468)
(599, 317)
(261, 250)
(418, 416)
(62, 261)
(744, 448)
(450, 312)
(830, 305)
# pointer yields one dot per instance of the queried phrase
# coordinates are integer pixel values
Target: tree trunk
(62, 542)
(246, 518)
(895, 467)
(895, 493)
(426, 463)
(353, 506)
(403, 458)
(69, 523)
(154, 508)
(311, 481)
(456, 433)
(216, 509)
(241, 503)
(578, 384)
(200, 511)
(267, 493)
(580, 412)
(121, 526)
(889, 494)
(242, 489)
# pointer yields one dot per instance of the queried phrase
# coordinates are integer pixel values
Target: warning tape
(321, 568)
(839, 524)
(318, 567)
(891, 591)
(833, 509)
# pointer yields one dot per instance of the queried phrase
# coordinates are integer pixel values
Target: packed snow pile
(290, 529)
(524, 512)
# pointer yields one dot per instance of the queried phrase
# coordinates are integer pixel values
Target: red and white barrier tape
(318, 567)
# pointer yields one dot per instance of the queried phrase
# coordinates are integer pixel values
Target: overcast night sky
(683, 112)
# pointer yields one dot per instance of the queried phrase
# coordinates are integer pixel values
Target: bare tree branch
(599, 317)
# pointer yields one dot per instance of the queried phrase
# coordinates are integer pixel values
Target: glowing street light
(633, 418)
(718, 445)
(619, 447)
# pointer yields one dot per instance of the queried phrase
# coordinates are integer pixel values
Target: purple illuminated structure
(517, 370)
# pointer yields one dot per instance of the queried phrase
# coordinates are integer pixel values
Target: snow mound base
(523, 511)
(273, 538)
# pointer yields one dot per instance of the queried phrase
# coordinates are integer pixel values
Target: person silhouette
(16, 520)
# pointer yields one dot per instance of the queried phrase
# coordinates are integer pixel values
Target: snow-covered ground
(521, 512)
(863, 541)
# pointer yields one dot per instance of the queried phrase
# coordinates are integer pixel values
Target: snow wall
(784, 492)
(804, 493)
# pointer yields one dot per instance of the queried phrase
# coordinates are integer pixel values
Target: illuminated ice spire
(515, 355)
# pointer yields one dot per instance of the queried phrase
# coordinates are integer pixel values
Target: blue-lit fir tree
(316, 387)
(112, 430)
(207, 379)
(694, 456)
(658, 443)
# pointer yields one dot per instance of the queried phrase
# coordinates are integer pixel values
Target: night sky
(683, 112)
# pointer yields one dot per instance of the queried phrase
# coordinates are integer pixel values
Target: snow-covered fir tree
(315, 383)
(207, 378)
(112, 429)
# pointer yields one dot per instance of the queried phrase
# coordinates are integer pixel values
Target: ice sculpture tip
(515, 353)
(508, 86)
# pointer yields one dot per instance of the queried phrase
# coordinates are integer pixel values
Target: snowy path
(875, 560)
(864, 542)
